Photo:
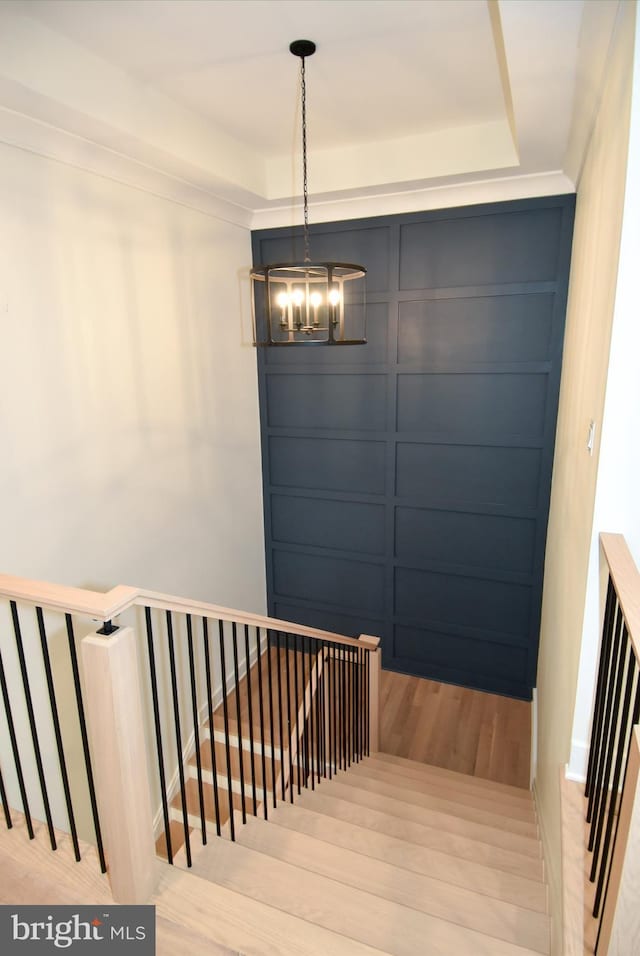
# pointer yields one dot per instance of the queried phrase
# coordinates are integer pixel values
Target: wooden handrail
(626, 580)
(59, 597)
(106, 606)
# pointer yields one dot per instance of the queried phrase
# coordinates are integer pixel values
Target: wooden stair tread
(482, 878)
(193, 802)
(410, 806)
(396, 806)
(279, 699)
(461, 785)
(414, 766)
(176, 835)
(425, 894)
(31, 872)
(242, 924)
(172, 938)
(520, 819)
(234, 761)
(351, 912)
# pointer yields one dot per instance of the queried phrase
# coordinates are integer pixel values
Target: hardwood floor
(484, 735)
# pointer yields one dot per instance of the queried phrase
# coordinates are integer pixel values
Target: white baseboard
(576, 769)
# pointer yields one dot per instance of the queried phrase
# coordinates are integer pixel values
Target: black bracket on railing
(108, 628)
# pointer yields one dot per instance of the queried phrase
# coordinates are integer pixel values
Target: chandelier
(311, 302)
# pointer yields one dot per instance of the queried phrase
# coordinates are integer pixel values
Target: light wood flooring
(469, 731)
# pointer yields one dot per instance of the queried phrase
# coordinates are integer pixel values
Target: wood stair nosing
(480, 799)
(248, 766)
(419, 832)
(192, 795)
(219, 737)
(403, 764)
(482, 878)
(425, 894)
(521, 831)
(354, 913)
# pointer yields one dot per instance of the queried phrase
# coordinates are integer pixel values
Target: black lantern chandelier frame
(308, 302)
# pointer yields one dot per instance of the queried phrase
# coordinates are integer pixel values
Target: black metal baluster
(362, 698)
(85, 741)
(178, 732)
(289, 721)
(323, 708)
(15, 751)
(234, 638)
(344, 705)
(305, 719)
(5, 803)
(330, 702)
(247, 654)
(225, 712)
(311, 726)
(635, 718)
(594, 800)
(32, 723)
(279, 677)
(296, 690)
(367, 702)
(611, 727)
(261, 702)
(356, 706)
(196, 729)
(273, 740)
(337, 701)
(58, 733)
(605, 648)
(316, 658)
(617, 770)
(347, 657)
(158, 730)
(212, 739)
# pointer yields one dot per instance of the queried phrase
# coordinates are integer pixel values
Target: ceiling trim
(491, 189)
(35, 136)
(24, 132)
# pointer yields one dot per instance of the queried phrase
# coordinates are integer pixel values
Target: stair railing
(208, 714)
(612, 774)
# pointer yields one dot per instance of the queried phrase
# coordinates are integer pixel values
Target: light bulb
(315, 299)
(282, 300)
(297, 297)
(334, 297)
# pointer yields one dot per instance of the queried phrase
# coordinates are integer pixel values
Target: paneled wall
(406, 482)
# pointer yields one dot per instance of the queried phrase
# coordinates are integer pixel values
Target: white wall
(128, 401)
(129, 426)
(617, 504)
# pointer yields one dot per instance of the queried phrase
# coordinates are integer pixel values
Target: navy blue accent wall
(406, 482)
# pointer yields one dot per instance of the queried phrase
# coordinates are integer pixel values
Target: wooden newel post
(375, 666)
(114, 718)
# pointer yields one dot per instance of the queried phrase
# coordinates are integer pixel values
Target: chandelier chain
(305, 184)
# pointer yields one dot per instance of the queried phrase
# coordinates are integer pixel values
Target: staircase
(391, 856)
(289, 830)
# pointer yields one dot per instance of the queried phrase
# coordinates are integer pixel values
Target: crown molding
(498, 189)
(24, 132)
(35, 136)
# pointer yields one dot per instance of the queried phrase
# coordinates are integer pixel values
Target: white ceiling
(201, 97)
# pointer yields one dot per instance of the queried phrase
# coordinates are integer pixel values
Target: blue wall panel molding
(407, 482)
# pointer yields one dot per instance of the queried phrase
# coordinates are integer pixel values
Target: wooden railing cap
(108, 605)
